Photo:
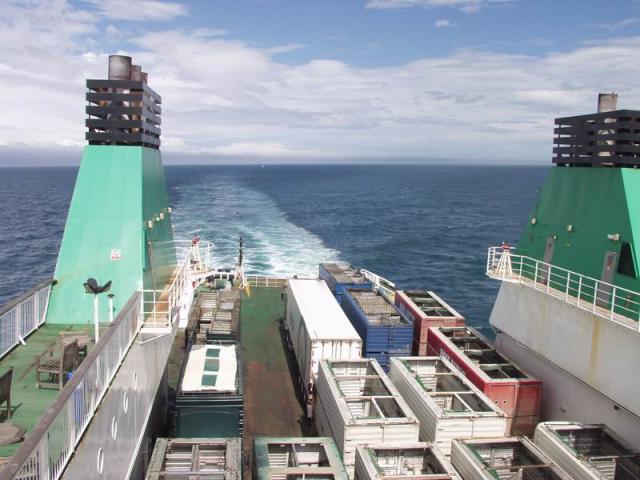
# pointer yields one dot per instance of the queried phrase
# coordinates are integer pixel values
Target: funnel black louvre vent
(121, 110)
(600, 139)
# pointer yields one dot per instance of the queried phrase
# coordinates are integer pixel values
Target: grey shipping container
(201, 458)
(503, 458)
(418, 461)
(358, 405)
(445, 402)
(590, 452)
(281, 458)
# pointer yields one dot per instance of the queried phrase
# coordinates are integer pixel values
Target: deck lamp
(91, 286)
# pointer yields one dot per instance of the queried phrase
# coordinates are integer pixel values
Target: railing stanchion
(613, 302)
(595, 296)
(548, 276)
(566, 293)
(579, 289)
(535, 276)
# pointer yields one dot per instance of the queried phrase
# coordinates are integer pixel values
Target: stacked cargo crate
(409, 461)
(203, 458)
(504, 458)
(446, 403)
(425, 309)
(209, 397)
(589, 452)
(358, 405)
(385, 332)
(281, 458)
(515, 392)
(316, 329)
(340, 276)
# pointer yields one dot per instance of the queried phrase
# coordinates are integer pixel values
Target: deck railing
(603, 299)
(23, 315)
(48, 448)
(263, 281)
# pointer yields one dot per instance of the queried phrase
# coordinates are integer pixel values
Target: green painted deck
(29, 403)
(271, 403)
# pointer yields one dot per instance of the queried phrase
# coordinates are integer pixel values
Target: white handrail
(47, 450)
(23, 316)
(265, 281)
(603, 299)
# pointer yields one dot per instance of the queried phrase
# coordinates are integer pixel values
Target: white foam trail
(221, 210)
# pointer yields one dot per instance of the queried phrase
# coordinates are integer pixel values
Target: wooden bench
(5, 390)
(53, 366)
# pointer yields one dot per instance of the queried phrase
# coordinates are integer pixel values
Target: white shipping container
(409, 461)
(503, 458)
(590, 452)
(318, 328)
(445, 402)
(358, 405)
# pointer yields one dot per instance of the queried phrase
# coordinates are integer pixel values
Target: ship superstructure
(568, 307)
(98, 335)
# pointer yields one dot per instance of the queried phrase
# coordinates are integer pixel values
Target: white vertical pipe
(96, 321)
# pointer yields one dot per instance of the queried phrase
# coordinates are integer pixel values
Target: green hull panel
(118, 190)
(596, 203)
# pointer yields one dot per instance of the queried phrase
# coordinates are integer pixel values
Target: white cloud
(616, 26)
(468, 6)
(442, 23)
(228, 98)
(136, 10)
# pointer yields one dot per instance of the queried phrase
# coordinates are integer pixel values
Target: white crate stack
(358, 405)
(445, 402)
(590, 452)
(503, 458)
(419, 461)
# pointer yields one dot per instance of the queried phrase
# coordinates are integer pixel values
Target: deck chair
(5, 390)
(51, 365)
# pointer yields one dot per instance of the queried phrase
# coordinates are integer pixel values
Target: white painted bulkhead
(124, 413)
(588, 364)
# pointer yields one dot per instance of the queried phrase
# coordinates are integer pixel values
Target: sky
(446, 81)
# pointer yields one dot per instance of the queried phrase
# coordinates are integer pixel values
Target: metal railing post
(566, 293)
(548, 277)
(595, 296)
(613, 303)
(579, 289)
(535, 276)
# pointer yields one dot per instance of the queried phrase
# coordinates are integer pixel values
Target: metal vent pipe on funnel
(136, 73)
(607, 102)
(119, 67)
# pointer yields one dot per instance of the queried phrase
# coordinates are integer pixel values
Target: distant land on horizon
(16, 158)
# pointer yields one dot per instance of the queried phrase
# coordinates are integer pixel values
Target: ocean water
(418, 226)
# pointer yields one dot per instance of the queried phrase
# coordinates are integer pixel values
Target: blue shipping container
(385, 332)
(339, 278)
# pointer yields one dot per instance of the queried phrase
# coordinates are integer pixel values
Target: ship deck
(28, 403)
(272, 406)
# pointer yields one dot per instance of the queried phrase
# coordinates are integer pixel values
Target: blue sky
(309, 81)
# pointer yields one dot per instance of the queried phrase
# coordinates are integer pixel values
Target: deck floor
(29, 403)
(271, 406)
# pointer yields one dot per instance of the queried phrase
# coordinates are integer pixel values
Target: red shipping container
(517, 393)
(426, 309)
